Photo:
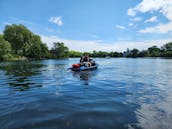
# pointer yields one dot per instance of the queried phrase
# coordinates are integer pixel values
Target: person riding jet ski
(86, 60)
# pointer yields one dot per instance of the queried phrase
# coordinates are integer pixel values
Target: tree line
(18, 41)
(154, 51)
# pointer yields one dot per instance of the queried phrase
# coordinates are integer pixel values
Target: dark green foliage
(35, 51)
(19, 37)
(154, 51)
(167, 47)
(143, 53)
(105, 54)
(75, 54)
(167, 50)
(38, 50)
(24, 42)
(45, 51)
(115, 54)
(5, 48)
(102, 54)
(133, 53)
(59, 50)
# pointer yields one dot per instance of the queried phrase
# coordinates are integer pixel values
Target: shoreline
(34, 59)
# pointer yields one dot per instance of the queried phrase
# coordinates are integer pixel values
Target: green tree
(35, 51)
(75, 54)
(132, 53)
(59, 50)
(167, 50)
(19, 37)
(143, 53)
(135, 52)
(154, 51)
(5, 48)
(45, 52)
(99, 54)
(94, 54)
(38, 51)
(115, 54)
(168, 46)
(24, 42)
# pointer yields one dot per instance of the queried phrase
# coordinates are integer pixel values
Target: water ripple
(122, 94)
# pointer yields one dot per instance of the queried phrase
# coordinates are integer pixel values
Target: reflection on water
(84, 76)
(120, 94)
(19, 73)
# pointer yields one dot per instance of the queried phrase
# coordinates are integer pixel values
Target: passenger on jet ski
(85, 60)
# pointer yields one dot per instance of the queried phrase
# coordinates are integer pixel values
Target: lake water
(121, 94)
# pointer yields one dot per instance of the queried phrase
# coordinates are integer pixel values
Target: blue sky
(110, 25)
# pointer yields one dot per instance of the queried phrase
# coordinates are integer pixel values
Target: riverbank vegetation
(18, 43)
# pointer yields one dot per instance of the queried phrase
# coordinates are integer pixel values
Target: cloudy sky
(109, 25)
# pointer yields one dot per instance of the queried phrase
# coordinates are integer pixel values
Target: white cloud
(56, 20)
(130, 24)
(160, 28)
(90, 45)
(120, 27)
(162, 6)
(78, 45)
(152, 19)
(131, 12)
(136, 19)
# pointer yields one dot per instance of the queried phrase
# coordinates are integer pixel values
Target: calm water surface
(120, 94)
